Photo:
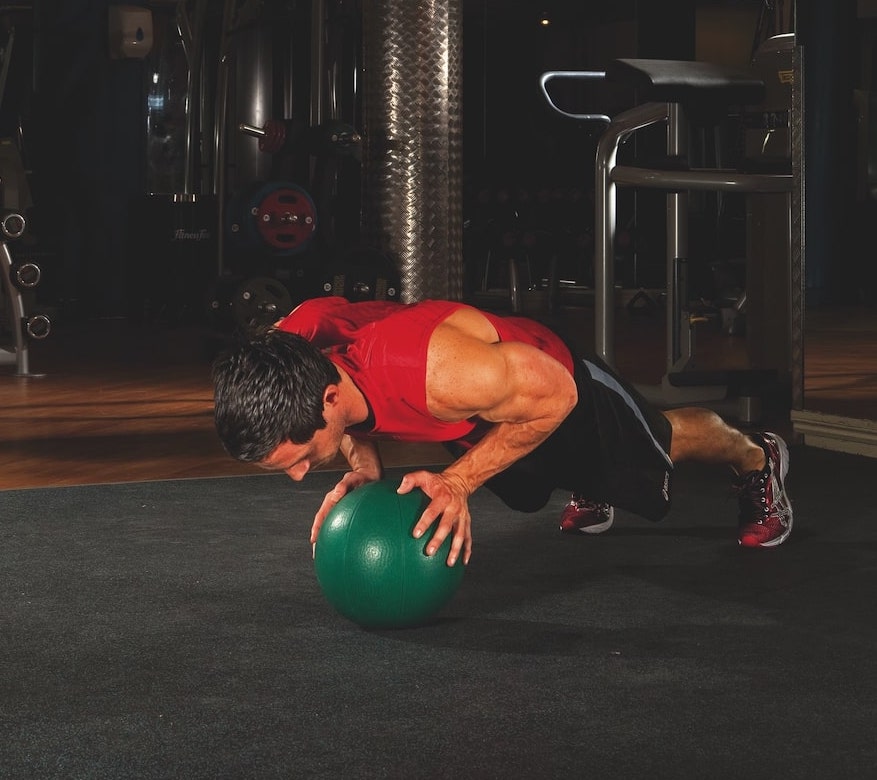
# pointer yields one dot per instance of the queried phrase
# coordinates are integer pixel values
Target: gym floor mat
(176, 629)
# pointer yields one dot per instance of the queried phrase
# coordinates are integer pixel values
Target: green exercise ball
(370, 567)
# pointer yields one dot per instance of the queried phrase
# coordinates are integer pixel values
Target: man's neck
(356, 408)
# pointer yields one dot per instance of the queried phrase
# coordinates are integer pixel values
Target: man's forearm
(504, 444)
(362, 455)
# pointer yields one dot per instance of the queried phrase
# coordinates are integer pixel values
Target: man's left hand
(449, 505)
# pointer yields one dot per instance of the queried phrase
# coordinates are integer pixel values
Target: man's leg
(760, 462)
(638, 445)
(628, 442)
(700, 434)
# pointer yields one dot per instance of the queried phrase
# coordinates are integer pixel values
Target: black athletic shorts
(614, 447)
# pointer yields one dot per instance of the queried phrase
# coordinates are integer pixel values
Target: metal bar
(220, 130)
(184, 28)
(256, 132)
(192, 37)
(678, 330)
(702, 179)
(604, 230)
(7, 56)
(16, 311)
(580, 75)
(318, 62)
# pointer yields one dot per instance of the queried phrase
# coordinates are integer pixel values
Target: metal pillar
(412, 152)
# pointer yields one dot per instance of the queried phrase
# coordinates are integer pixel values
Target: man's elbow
(568, 396)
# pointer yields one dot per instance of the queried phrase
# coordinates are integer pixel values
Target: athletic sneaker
(765, 508)
(587, 517)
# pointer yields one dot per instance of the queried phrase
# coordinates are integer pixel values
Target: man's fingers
(461, 542)
(427, 519)
(413, 480)
(442, 531)
(467, 550)
(456, 546)
(315, 530)
(321, 515)
(332, 498)
(445, 511)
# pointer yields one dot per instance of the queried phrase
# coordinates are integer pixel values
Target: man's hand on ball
(449, 506)
(350, 481)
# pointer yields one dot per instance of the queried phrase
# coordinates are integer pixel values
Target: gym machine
(16, 279)
(348, 269)
(768, 97)
(18, 275)
(274, 203)
(221, 234)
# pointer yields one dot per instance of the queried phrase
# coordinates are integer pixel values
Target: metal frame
(16, 317)
(677, 184)
(608, 176)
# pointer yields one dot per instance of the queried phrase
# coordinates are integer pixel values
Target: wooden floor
(119, 403)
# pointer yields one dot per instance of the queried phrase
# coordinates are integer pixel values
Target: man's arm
(522, 390)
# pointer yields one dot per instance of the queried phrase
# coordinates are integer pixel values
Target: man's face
(298, 459)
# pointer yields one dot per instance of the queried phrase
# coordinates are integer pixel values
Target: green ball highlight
(370, 567)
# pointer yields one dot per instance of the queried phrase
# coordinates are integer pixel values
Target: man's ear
(331, 395)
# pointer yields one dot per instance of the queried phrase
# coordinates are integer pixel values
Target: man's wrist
(465, 485)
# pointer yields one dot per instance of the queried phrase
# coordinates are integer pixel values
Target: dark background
(80, 120)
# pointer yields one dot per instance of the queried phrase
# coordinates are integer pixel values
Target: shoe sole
(784, 469)
(780, 539)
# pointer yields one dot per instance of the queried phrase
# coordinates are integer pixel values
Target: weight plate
(279, 218)
(285, 218)
(260, 301)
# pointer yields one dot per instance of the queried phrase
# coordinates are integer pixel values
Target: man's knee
(519, 492)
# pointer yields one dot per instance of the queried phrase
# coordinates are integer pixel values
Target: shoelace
(751, 493)
(583, 503)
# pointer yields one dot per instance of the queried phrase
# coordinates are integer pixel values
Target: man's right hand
(350, 481)
(365, 466)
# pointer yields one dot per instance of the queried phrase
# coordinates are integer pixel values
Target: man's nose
(298, 471)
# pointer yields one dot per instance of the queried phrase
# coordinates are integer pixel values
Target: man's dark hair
(269, 389)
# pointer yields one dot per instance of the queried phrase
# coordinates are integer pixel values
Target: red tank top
(382, 346)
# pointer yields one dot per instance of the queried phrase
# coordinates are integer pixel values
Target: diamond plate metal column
(412, 141)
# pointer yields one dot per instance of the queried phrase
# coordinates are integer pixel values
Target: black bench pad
(684, 81)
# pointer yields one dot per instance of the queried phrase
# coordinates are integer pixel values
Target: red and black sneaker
(586, 517)
(765, 507)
